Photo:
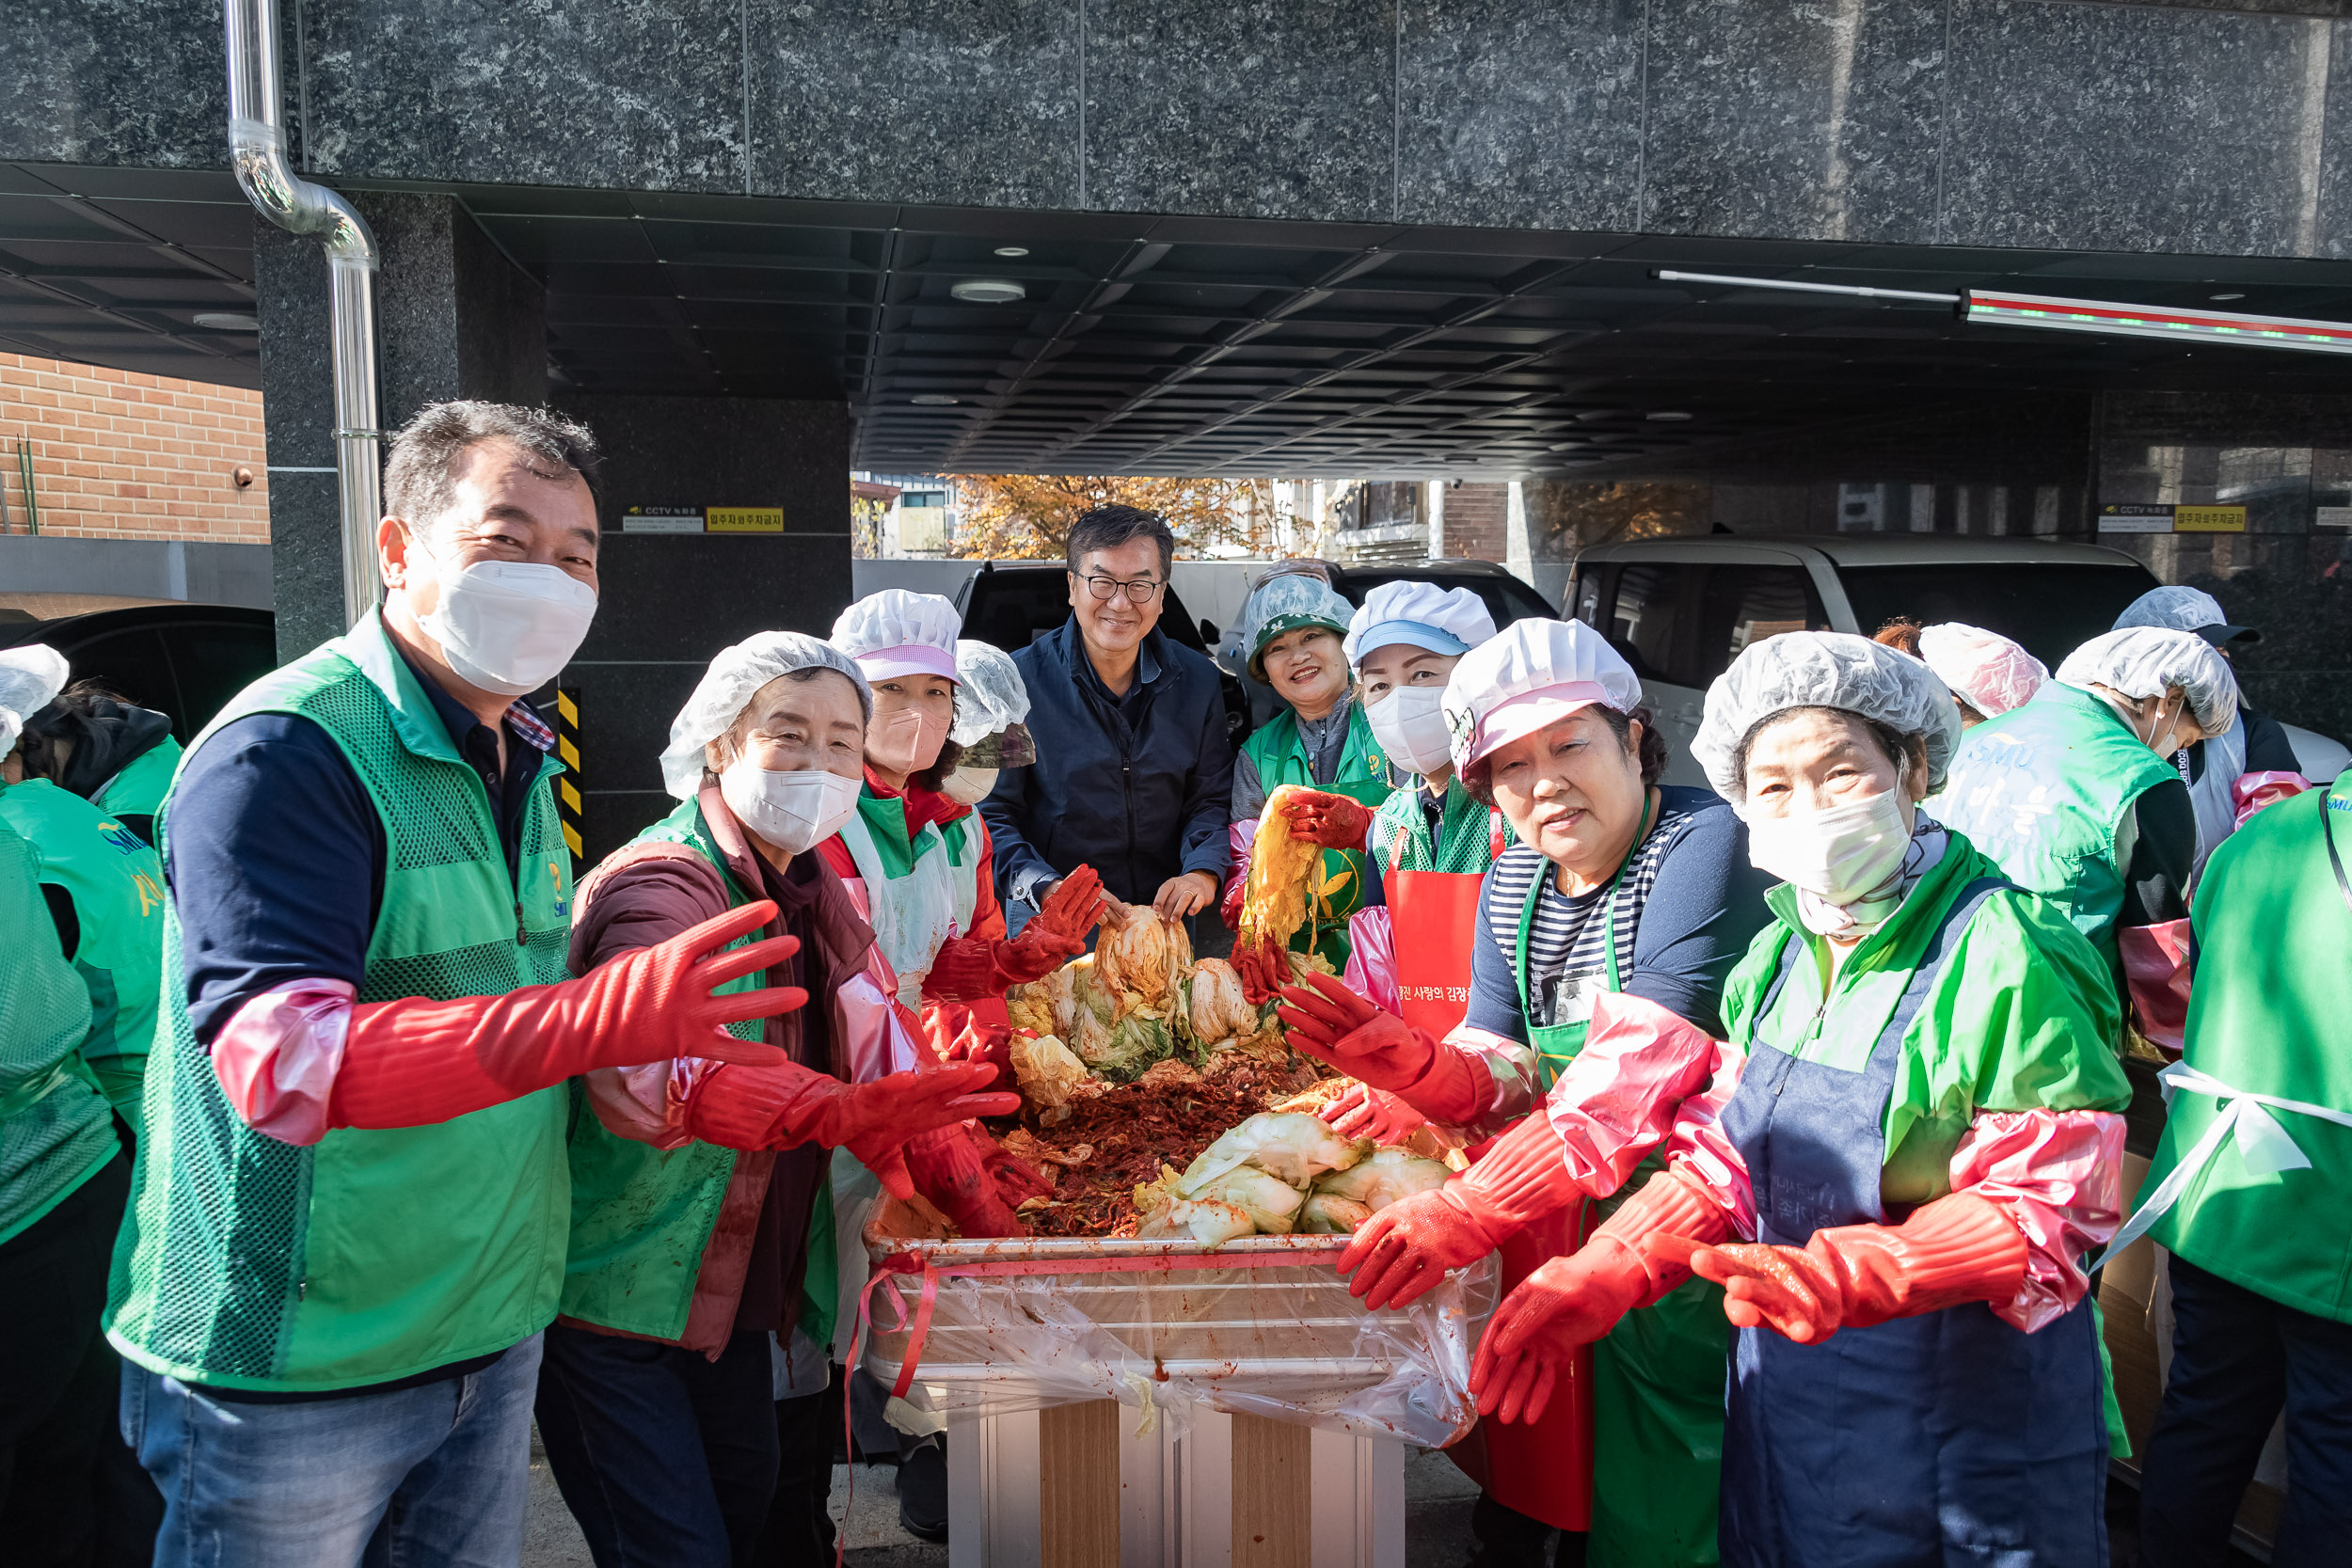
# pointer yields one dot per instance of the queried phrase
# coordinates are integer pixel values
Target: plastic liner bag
(1261, 1327)
(1371, 972)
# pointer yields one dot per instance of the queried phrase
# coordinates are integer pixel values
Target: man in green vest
(349, 1215)
(2248, 1192)
(2071, 795)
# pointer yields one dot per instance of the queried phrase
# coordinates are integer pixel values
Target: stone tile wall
(2194, 128)
(121, 455)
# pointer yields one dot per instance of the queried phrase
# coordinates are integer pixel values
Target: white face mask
(1839, 854)
(509, 627)
(969, 787)
(1409, 724)
(795, 812)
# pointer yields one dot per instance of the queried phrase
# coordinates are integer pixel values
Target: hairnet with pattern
(1286, 603)
(728, 687)
(992, 698)
(2180, 608)
(30, 678)
(2144, 661)
(1822, 669)
(1985, 670)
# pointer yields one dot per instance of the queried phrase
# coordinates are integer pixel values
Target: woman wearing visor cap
(1923, 1142)
(1604, 936)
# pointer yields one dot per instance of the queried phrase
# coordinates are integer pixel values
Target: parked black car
(184, 659)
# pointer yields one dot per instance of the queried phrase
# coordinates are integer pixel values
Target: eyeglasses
(1137, 592)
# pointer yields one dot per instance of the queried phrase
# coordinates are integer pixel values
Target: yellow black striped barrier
(567, 799)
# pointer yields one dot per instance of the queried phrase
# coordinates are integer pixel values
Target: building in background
(916, 519)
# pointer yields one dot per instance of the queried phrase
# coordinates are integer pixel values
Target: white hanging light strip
(1993, 307)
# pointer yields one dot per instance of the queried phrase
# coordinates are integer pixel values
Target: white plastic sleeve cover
(278, 1057)
(2058, 1174)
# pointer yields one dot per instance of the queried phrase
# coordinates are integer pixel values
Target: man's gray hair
(418, 487)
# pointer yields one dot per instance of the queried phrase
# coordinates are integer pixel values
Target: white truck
(1681, 610)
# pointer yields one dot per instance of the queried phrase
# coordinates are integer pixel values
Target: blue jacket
(1135, 786)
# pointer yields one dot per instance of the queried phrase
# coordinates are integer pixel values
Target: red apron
(1432, 925)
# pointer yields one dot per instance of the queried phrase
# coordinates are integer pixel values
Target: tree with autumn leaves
(1029, 516)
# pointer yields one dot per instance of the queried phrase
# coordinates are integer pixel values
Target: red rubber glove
(1334, 821)
(788, 1104)
(1407, 1247)
(1570, 1302)
(948, 1170)
(419, 1061)
(1071, 910)
(1236, 887)
(1017, 1181)
(1264, 971)
(1959, 1248)
(1327, 1020)
(1364, 1111)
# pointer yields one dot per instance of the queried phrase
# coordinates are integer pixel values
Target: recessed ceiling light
(931, 400)
(223, 321)
(1670, 416)
(1012, 252)
(2208, 296)
(988, 291)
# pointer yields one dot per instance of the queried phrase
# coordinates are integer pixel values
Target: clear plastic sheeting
(1263, 1326)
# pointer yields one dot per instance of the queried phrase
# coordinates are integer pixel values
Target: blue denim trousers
(436, 1474)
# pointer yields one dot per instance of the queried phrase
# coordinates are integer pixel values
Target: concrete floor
(1436, 1519)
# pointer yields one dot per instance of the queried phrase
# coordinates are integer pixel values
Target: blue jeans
(2238, 1357)
(664, 1456)
(432, 1475)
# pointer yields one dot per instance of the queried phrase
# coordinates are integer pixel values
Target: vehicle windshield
(2053, 609)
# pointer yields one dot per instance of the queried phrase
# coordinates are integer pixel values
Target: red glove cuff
(1522, 1177)
(1454, 1086)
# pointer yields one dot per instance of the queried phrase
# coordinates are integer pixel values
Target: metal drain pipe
(257, 150)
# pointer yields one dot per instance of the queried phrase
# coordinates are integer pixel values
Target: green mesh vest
(2042, 789)
(1465, 845)
(641, 1215)
(246, 1262)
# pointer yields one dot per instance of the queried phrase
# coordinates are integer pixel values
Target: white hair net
(1985, 670)
(2142, 662)
(2180, 608)
(30, 678)
(992, 697)
(1822, 669)
(1286, 603)
(728, 687)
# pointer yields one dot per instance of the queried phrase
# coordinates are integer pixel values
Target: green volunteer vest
(2043, 790)
(1465, 842)
(2267, 1016)
(54, 1132)
(138, 790)
(246, 1262)
(1363, 776)
(641, 1216)
(117, 884)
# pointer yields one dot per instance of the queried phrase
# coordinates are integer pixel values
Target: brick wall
(117, 455)
(1475, 518)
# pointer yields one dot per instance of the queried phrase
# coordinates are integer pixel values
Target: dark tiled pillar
(671, 601)
(453, 319)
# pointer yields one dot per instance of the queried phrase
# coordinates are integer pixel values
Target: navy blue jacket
(1135, 786)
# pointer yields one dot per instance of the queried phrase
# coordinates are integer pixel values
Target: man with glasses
(1134, 767)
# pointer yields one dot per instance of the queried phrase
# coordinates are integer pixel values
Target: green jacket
(55, 1129)
(116, 885)
(2043, 790)
(2271, 1013)
(371, 1254)
(2024, 1018)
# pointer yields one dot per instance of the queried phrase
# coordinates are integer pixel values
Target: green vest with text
(116, 885)
(1362, 776)
(2043, 790)
(641, 1215)
(246, 1262)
